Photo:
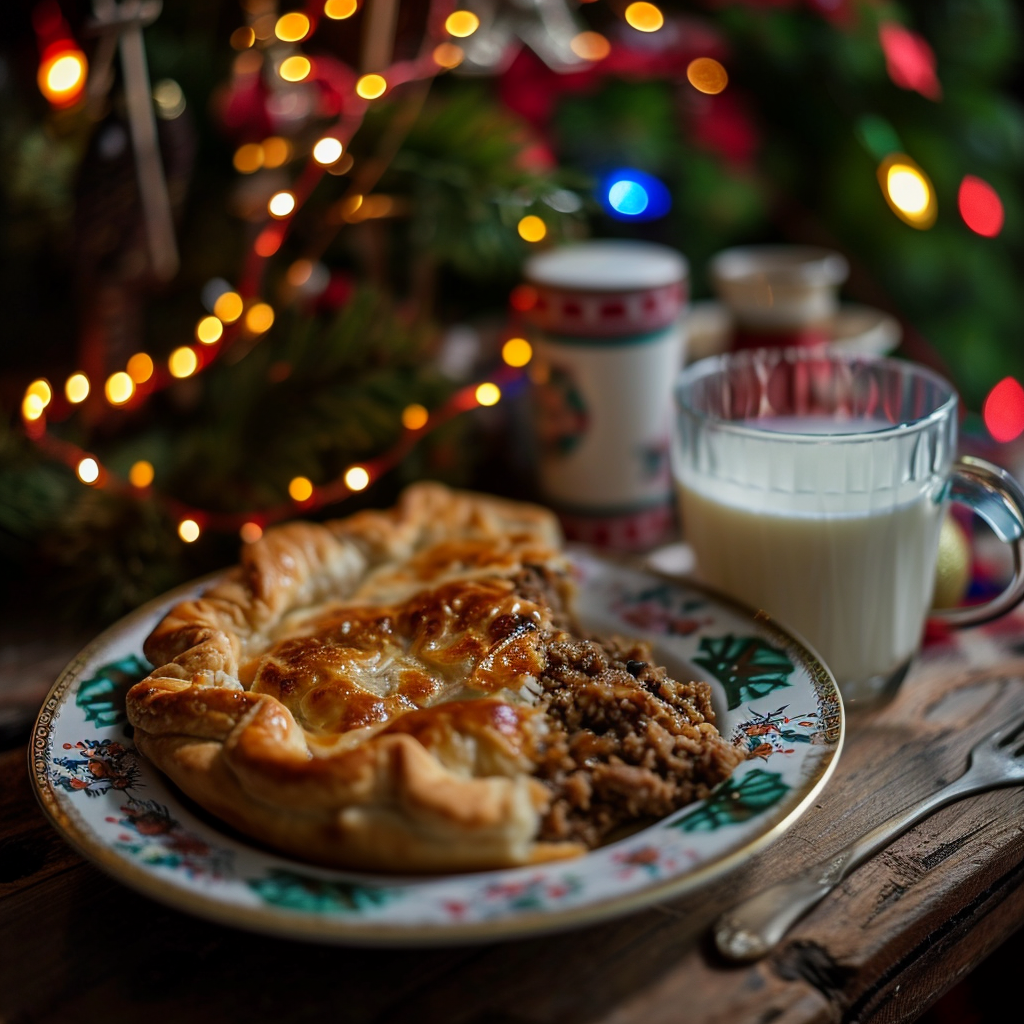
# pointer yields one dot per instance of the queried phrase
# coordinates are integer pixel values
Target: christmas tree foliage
(767, 121)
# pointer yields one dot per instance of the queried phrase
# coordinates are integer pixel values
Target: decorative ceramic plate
(772, 695)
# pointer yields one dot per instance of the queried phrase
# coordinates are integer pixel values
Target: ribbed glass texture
(802, 433)
(813, 486)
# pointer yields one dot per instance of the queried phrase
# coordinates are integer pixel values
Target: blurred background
(264, 259)
(259, 256)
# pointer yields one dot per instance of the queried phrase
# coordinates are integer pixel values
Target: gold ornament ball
(953, 571)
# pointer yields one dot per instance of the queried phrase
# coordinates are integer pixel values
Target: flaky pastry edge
(389, 803)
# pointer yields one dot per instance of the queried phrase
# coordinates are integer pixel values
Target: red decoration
(243, 109)
(523, 298)
(723, 125)
(1004, 410)
(909, 60)
(839, 12)
(337, 293)
(531, 89)
(980, 206)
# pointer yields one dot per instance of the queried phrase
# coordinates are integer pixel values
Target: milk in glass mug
(813, 485)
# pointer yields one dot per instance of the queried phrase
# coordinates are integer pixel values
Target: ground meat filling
(626, 742)
(542, 586)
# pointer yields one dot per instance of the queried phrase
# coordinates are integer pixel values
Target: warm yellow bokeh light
(169, 99)
(338, 10)
(209, 330)
(140, 367)
(327, 151)
(347, 207)
(356, 478)
(707, 75)
(62, 77)
(141, 474)
(76, 388)
(908, 191)
(88, 470)
(488, 393)
(65, 73)
(415, 416)
(517, 351)
(228, 307)
(461, 24)
(292, 27)
(299, 273)
(119, 388)
(276, 151)
(590, 46)
(375, 206)
(343, 166)
(532, 228)
(183, 362)
(32, 407)
(242, 38)
(188, 530)
(370, 87)
(248, 158)
(42, 390)
(251, 532)
(301, 489)
(281, 204)
(448, 55)
(644, 17)
(260, 318)
(295, 69)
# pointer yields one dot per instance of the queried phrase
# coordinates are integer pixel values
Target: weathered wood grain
(901, 930)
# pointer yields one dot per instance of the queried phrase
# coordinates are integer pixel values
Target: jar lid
(607, 265)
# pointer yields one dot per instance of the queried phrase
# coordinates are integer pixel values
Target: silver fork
(755, 926)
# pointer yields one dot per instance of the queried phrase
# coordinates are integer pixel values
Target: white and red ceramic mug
(608, 332)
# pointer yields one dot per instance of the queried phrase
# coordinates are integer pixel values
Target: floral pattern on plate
(152, 835)
(96, 766)
(123, 814)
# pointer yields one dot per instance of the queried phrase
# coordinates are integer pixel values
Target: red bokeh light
(523, 297)
(1004, 410)
(268, 241)
(909, 60)
(980, 206)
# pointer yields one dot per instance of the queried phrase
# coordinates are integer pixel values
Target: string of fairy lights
(241, 314)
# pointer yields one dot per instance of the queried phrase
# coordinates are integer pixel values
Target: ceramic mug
(813, 485)
(779, 294)
(607, 326)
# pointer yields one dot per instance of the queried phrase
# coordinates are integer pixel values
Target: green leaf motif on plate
(311, 895)
(748, 667)
(735, 802)
(101, 696)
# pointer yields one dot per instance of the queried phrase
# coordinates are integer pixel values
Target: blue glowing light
(629, 194)
(628, 197)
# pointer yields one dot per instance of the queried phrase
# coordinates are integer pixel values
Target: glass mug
(813, 485)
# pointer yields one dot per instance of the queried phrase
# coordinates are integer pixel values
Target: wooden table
(902, 930)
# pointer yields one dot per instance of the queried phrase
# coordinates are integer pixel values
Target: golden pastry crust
(422, 780)
(397, 691)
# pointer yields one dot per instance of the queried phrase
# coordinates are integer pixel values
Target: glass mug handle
(993, 494)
